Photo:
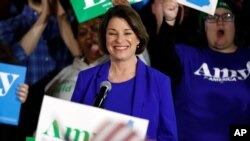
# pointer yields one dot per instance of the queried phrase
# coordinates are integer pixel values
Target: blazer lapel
(102, 75)
(140, 88)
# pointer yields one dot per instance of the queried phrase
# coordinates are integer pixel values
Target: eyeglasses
(226, 17)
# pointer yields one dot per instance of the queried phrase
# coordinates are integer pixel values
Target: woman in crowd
(63, 84)
(212, 87)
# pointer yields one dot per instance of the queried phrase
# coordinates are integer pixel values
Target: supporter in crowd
(9, 132)
(36, 38)
(137, 89)
(212, 84)
(63, 84)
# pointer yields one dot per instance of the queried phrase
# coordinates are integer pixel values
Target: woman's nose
(119, 38)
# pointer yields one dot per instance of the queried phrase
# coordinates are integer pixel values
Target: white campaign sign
(91, 3)
(64, 120)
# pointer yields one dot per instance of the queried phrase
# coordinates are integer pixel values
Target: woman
(213, 85)
(62, 85)
(137, 89)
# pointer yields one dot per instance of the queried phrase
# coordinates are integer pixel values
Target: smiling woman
(137, 89)
(122, 42)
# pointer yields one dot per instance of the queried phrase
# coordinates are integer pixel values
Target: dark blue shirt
(214, 93)
(50, 52)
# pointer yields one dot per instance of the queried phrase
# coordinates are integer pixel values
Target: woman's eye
(82, 33)
(111, 33)
(211, 17)
(128, 33)
(95, 28)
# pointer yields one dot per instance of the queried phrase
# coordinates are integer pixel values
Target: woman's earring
(138, 46)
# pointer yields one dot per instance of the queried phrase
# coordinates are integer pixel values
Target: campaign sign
(88, 9)
(10, 78)
(207, 6)
(62, 120)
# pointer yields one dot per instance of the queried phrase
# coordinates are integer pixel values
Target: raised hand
(170, 10)
(59, 10)
(120, 2)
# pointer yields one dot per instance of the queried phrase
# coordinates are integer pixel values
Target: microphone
(104, 89)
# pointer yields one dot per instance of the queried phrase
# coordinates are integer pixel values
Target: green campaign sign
(30, 139)
(88, 9)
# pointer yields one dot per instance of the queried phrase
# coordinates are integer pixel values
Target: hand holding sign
(110, 130)
(22, 92)
(57, 121)
(120, 2)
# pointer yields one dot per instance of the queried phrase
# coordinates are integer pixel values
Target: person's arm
(30, 39)
(66, 30)
(164, 56)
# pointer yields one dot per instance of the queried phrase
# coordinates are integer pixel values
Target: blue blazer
(153, 97)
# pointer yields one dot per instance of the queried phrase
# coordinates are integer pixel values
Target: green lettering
(54, 129)
(77, 134)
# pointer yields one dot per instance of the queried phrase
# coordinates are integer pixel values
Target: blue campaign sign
(10, 78)
(206, 6)
(200, 2)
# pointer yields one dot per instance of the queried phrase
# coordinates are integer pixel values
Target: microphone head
(106, 84)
